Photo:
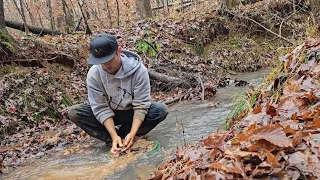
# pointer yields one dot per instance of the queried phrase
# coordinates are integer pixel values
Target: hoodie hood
(130, 63)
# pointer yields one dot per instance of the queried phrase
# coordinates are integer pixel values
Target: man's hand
(128, 141)
(116, 141)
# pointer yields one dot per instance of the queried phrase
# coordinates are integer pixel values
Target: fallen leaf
(288, 131)
(265, 145)
(271, 110)
(215, 140)
(272, 159)
(273, 134)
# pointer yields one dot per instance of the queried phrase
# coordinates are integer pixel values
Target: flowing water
(186, 123)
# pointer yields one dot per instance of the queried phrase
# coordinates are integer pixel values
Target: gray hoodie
(128, 89)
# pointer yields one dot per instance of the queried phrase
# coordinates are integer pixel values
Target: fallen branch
(179, 98)
(278, 35)
(63, 59)
(169, 79)
(32, 29)
(170, 101)
(284, 21)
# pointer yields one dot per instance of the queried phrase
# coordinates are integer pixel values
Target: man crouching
(119, 96)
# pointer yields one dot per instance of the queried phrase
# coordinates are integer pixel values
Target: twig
(202, 87)
(278, 35)
(179, 98)
(173, 100)
(285, 20)
(184, 139)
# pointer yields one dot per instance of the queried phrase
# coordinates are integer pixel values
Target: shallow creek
(195, 119)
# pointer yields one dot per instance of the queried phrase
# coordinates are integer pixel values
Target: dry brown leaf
(257, 110)
(266, 145)
(244, 136)
(288, 131)
(316, 121)
(248, 146)
(271, 110)
(228, 168)
(215, 140)
(273, 134)
(272, 159)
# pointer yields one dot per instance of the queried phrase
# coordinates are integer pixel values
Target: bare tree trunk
(40, 20)
(108, 12)
(65, 19)
(118, 13)
(23, 16)
(144, 8)
(7, 44)
(2, 22)
(29, 12)
(98, 7)
(88, 30)
(21, 12)
(50, 14)
(76, 28)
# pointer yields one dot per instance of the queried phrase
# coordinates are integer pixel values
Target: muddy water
(186, 123)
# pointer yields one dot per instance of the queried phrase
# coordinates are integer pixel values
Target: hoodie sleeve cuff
(140, 114)
(103, 118)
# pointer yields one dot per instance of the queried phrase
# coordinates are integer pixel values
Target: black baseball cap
(103, 48)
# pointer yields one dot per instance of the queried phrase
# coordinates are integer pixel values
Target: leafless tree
(50, 14)
(21, 12)
(108, 12)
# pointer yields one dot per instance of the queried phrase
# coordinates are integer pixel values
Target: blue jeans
(82, 116)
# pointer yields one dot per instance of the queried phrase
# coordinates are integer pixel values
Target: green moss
(8, 69)
(8, 45)
(7, 41)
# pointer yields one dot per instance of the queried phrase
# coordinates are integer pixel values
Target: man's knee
(160, 110)
(73, 112)
(164, 111)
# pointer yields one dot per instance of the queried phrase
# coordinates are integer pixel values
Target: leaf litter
(285, 146)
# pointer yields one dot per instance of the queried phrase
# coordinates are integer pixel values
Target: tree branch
(278, 35)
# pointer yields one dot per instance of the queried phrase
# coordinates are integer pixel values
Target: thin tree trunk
(144, 8)
(23, 16)
(2, 22)
(29, 12)
(50, 14)
(88, 30)
(76, 28)
(7, 43)
(21, 12)
(65, 19)
(98, 7)
(118, 13)
(40, 20)
(108, 12)
(95, 14)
